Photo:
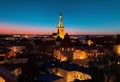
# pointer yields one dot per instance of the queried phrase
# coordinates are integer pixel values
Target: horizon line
(64, 34)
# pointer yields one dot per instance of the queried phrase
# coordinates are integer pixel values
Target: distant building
(67, 52)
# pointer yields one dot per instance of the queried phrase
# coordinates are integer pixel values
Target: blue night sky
(79, 16)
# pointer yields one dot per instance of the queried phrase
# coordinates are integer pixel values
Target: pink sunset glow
(8, 28)
(22, 29)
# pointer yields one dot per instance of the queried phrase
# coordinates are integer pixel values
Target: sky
(42, 16)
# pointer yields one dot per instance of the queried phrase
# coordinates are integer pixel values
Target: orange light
(83, 55)
(89, 42)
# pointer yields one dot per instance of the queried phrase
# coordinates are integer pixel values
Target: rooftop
(73, 67)
(48, 78)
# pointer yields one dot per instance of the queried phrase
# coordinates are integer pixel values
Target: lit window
(72, 49)
(68, 49)
(62, 49)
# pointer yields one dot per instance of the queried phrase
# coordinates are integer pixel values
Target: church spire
(60, 20)
(60, 27)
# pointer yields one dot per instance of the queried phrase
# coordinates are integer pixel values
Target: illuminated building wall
(70, 75)
(57, 54)
(17, 71)
(17, 49)
(116, 49)
(69, 54)
(64, 54)
(2, 80)
(78, 54)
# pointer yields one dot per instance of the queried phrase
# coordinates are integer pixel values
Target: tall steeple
(60, 20)
(60, 27)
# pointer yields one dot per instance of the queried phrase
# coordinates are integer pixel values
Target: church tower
(60, 27)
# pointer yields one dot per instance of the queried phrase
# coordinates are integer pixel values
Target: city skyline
(42, 17)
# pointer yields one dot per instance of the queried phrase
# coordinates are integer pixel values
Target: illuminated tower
(60, 27)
